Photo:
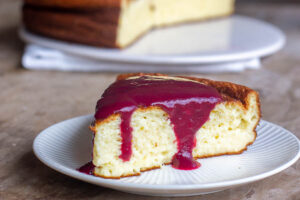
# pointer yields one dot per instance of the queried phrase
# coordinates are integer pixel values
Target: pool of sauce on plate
(188, 104)
(88, 168)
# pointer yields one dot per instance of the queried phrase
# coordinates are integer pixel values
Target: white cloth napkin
(40, 58)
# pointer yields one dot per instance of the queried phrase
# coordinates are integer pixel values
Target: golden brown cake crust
(231, 93)
(74, 3)
(97, 28)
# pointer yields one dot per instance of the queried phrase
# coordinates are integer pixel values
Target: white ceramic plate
(222, 40)
(67, 145)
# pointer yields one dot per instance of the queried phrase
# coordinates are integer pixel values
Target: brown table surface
(30, 101)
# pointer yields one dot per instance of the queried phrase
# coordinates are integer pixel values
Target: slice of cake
(144, 121)
(114, 23)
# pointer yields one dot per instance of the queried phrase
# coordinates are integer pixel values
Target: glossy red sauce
(187, 103)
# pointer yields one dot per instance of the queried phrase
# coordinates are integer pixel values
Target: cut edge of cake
(234, 95)
(160, 14)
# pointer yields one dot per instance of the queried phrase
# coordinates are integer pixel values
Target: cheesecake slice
(114, 23)
(144, 121)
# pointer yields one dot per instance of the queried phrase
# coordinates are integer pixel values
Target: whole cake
(144, 121)
(114, 23)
